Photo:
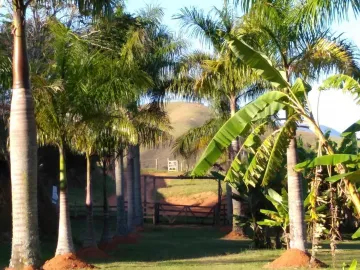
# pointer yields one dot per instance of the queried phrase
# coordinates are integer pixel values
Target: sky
(336, 110)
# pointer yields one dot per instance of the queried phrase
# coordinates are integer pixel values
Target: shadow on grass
(174, 243)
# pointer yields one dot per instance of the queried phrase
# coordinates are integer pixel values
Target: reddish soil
(199, 199)
(295, 258)
(234, 236)
(119, 240)
(208, 199)
(66, 261)
(91, 253)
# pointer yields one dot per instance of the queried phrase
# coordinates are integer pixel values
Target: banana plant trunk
(106, 234)
(296, 200)
(352, 192)
(138, 218)
(130, 189)
(237, 206)
(90, 239)
(121, 226)
(65, 241)
(23, 153)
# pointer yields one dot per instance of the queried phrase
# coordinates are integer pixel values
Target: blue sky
(337, 110)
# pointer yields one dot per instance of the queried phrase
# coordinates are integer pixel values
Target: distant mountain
(324, 129)
(333, 132)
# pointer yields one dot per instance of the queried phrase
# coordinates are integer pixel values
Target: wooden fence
(163, 213)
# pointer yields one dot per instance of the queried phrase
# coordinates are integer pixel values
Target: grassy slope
(183, 116)
(187, 248)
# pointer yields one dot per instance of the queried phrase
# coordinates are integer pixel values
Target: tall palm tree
(221, 75)
(302, 53)
(121, 225)
(156, 51)
(23, 146)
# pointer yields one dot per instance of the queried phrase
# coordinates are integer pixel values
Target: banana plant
(280, 216)
(353, 265)
(350, 161)
(267, 157)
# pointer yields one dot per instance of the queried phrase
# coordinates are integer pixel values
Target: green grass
(178, 248)
(183, 188)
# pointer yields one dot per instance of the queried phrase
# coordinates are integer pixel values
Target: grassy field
(181, 188)
(162, 248)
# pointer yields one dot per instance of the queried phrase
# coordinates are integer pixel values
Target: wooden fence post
(154, 189)
(156, 216)
(145, 202)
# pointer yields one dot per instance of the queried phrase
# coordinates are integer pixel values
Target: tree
(221, 76)
(23, 146)
(299, 53)
(267, 154)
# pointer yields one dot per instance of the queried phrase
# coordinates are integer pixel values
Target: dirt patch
(119, 240)
(92, 253)
(295, 258)
(234, 236)
(200, 199)
(66, 261)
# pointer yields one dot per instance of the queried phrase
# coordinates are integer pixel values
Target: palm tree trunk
(106, 235)
(121, 226)
(23, 153)
(138, 218)
(130, 189)
(237, 206)
(296, 201)
(90, 239)
(65, 242)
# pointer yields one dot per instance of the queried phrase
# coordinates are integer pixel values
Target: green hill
(183, 116)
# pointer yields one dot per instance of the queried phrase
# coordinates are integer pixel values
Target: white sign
(173, 165)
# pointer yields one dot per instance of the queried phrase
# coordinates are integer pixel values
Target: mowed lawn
(165, 247)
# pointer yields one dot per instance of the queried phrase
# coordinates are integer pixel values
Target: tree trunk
(138, 218)
(121, 226)
(130, 189)
(106, 234)
(65, 242)
(229, 205)
(23, 153)
(237, 206)
(296, 201)
(90, 239)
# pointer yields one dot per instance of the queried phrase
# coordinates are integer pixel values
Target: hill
(184, 116)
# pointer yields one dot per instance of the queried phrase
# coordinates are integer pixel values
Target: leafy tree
(267, 155)
(23, 146)
(218, 76)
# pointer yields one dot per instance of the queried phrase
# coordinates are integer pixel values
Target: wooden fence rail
(165, 213)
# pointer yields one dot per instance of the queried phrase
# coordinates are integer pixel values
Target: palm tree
(83, 139)
(303, 53)
(23, 146)
(54, 98)
(121, 226)
(155, 50)
(267, 155)
(221, 76)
